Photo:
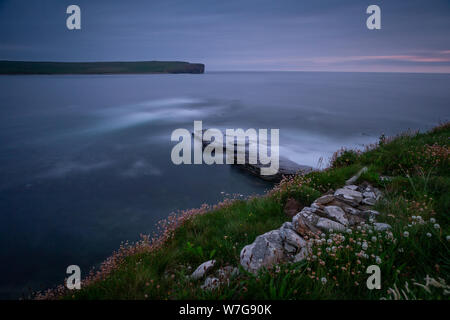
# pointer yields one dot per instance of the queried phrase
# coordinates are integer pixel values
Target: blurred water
(85, 160)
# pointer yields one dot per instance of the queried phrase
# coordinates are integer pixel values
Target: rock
(351, 187)
(292, 207)
(286, 167)
(369, 194)
(324, 199)
(352, 211)
(304, 222)
(378, 226)
(349, 196)
(211, 283)
(337, 214)
(369, 201)
(370, 213)
(287, 225)
(265, 251)
(203, 269)
(355, 219)
(378, 193)
(291, 238)
(327, 225)
(227, 272)
(301, 255)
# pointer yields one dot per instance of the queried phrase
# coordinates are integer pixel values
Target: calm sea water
(85, 160)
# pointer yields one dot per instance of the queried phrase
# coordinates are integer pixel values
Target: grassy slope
(419, 165)
(28, 67)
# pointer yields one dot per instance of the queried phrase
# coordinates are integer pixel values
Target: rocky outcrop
(286, 167)
(347, 207)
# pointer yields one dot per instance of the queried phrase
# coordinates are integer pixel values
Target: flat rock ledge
(286, 167)
(346, 208)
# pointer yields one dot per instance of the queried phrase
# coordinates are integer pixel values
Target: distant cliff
(140, 67)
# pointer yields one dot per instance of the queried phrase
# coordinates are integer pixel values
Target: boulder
(302, 254)
(266, 251)
(291, 238)
(203, 269)
(304, 222)
(336, 213)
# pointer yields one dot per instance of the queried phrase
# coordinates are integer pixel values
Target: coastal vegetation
(412, 172)
(137, 67)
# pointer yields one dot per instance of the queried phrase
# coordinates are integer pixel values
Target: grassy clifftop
(411, 169)
(28, 67)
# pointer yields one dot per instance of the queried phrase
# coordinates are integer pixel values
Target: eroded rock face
(346, 207)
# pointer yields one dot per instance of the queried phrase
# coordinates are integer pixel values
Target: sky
(234, 35)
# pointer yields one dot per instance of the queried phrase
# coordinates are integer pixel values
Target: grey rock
(378, 226)
(291, 238)
(301, 255)
(369, 201)
(265, 251)
(211, 283)
(352, 211)
(327, 225)
(370, 213)
(304, 222)
(226, 272)
(337, 214)
(352, 196)
(287, 225)
(324, 199)
(203, 269)
(369, 194)
(286, 167)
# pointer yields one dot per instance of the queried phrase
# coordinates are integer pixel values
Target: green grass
(417, 184)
